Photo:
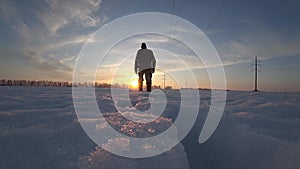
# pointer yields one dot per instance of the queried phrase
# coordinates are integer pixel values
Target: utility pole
(256, 69)
(164, 81)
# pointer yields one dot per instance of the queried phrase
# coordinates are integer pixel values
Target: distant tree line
(5, 82)
(50, 83)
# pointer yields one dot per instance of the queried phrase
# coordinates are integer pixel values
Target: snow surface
(39, 129)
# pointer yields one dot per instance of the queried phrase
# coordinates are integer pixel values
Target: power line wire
(218, 12)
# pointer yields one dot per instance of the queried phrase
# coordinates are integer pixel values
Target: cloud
(22, 29)
(51, 32)
(12, 15)
(8, 10)
(15, 17)
(264, 43)
(59, 14)
(67, 42)
(46, 19)
(31, 61)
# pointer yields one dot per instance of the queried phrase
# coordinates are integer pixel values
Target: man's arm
(153, 63)
(136, 63)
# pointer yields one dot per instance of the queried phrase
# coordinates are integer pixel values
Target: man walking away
(145, 64)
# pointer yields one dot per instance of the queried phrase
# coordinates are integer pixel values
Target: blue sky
(42, 39)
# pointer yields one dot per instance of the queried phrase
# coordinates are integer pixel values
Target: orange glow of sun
(134, 84)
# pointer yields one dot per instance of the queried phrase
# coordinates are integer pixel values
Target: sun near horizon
(133, 83)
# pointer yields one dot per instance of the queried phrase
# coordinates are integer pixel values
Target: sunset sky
(41, 40)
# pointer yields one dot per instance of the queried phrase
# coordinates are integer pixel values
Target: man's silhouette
(145, 64)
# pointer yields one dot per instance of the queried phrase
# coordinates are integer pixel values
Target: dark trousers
(148, 75)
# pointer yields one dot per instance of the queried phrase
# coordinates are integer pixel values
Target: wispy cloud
(22, 29)
(47, 19)
(59, 14)
(47, 67)
(8, 10)
(67, 42)
(48, 40)
(264, 43)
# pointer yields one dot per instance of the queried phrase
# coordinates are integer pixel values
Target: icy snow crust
(39, 129)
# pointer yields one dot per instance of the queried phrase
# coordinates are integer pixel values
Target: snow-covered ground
(39, 129)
